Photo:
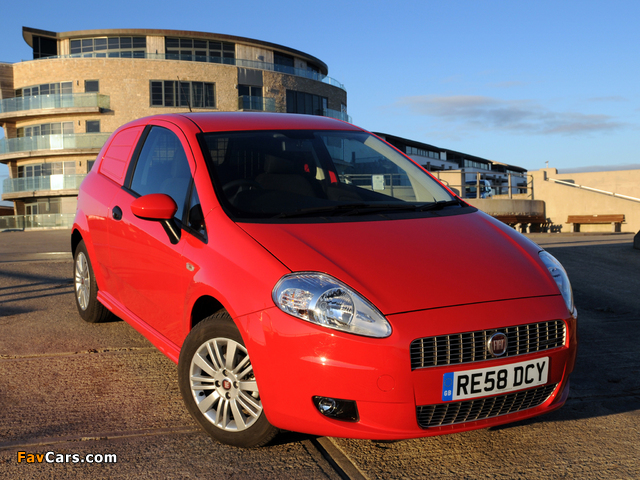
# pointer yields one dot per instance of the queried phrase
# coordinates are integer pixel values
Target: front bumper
(295, 360)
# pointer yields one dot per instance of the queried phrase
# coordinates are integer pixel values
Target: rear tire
(218, 386)
(86, 288)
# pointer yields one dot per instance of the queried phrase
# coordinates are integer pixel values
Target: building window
(194, 50)
(118, 47)
(93, 126)
(44, 206)
(422, 152)
(283, 63)
(307, 103)
(46, 169)
(251, 97)
(478, 165)
(44, 47)
(64, 128)
(91, 86)
(170, 93)
(45, 89)
(90, 165)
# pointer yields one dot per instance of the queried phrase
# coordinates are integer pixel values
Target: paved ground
(72, 388)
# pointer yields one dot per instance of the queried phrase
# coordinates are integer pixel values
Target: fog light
(337, 408)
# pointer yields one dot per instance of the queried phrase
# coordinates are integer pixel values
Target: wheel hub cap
(223, 385)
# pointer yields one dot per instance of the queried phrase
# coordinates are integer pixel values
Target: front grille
(472, 346)
(479, 409)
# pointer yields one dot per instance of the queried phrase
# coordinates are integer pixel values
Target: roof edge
(28, 33)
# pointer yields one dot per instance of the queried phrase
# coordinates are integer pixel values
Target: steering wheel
(232, 188)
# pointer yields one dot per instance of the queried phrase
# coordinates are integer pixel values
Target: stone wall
(6, 80)
(126, 81)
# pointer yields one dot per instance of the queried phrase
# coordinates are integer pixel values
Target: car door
(148, 267)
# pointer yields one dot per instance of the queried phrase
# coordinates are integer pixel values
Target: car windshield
(303, 174)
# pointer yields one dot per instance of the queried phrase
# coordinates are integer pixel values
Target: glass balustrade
(238, 62)
(53, 142)
(45, 182)
(43, 102)
(262, 104)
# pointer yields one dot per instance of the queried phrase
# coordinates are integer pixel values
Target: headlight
(560, 276)
(321, 299)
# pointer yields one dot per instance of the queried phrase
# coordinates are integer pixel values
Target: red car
(305, 275)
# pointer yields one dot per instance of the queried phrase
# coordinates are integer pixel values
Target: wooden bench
(614, 219)
(538, 222)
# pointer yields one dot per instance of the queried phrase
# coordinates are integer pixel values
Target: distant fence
(28, 222)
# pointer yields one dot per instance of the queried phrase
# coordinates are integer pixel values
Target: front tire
(86, 288)
(218, 386)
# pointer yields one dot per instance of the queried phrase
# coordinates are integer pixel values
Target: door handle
(116, 213)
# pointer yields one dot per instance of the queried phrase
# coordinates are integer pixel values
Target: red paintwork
(402, 282)
(428, 276)
(155, 206)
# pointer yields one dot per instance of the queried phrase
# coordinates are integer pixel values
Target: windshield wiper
(439, 205)
(347, 209)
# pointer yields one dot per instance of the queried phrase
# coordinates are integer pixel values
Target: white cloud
(523, 116)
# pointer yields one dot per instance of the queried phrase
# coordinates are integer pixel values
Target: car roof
(242, 121)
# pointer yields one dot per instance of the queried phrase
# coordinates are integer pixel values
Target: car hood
(409, 265)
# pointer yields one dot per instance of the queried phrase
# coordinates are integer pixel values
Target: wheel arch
(76, 238)
(204, 307)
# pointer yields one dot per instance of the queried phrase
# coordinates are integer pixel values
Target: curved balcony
(238, 62)
(46, 182)
(53, 104)
(327, 112)
(60, 144)
(51, 184)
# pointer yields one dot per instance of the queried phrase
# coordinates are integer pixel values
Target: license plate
(494, 380)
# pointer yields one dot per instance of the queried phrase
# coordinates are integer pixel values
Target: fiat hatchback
(307, 276)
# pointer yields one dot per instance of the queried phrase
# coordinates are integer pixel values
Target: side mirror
(159, 207)
(155, 206)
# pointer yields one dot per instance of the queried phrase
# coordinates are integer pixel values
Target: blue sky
(523, 83)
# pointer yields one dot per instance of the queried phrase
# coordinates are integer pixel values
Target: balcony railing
(327, 112)
(48, 220)
(67, 100)
(238, 62)
(262, 104)
(53, 142)
(46, 182)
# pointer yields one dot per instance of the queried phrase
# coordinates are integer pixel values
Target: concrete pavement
(73, 388)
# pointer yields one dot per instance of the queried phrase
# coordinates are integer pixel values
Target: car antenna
(188, 100)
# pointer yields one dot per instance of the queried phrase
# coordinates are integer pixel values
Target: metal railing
(48, 220)
(46, 182)
(238, 62)
(262, 104)
(53, 142)
(596, 190)
(476, 188)
(51, 101)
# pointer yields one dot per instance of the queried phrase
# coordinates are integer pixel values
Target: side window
(162, 167)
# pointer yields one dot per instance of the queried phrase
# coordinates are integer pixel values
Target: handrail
(238, 62)
(44, 182)
(53, 101)
(596, 190)
(53, 142)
